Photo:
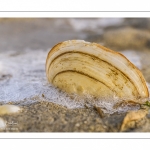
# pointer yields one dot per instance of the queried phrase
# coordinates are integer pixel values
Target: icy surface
(23, 78)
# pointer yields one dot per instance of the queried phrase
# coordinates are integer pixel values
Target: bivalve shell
(80, 67)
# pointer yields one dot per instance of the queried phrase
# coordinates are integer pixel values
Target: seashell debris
(81, 67)
(133, 116)
(9, 109)
(2, 124)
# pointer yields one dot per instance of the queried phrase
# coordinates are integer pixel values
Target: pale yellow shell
(80, 67)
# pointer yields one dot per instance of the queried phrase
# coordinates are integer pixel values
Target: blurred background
(118, 34)
(115, 33)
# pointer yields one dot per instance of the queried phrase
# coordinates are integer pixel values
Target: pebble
(77, 124)
(9, 109)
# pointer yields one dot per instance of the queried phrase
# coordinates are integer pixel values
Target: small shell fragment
(133, 116)
(2, 124)
(80, 67)
(9, 109)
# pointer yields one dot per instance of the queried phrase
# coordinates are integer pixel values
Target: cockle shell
(80, 67)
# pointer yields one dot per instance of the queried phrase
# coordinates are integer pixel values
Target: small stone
(9, 109)
(77, 124)
(51, 120)
(92, 128)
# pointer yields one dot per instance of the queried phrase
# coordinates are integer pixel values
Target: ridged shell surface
(80, 67)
